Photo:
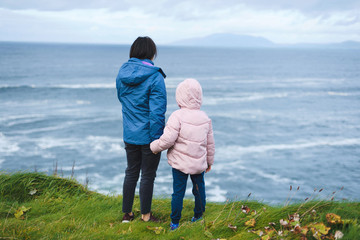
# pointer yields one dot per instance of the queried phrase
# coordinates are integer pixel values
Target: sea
(286, 121)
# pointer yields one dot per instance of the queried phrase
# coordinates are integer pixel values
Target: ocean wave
(215, 194)
(236, 150)
(77, 167)
(98, 147)
(64, 125)
(86, 86)
(7, 146)
(1, 162)
(248, 98)
(343, 94)
(20, 117)
(274, 177)
(65, 86)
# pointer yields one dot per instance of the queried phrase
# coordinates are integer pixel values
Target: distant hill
(226, 40)
(246, 41)
(340, 45)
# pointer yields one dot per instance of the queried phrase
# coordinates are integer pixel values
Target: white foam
(77, 167)
(274, 177)
(69, 86)
(20, 117)
(86, 86)
(1, 161)
(97, 147)
(216, 194)
(246, 98)
(164, 178)
(43, 129)
(81, 102)
(7, 146)
(339, 94)
(65, 125)
(236, 150)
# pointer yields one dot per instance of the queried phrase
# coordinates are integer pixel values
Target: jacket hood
(189, 94)
(136, 71)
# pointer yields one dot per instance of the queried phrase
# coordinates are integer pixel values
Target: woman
(142, 93)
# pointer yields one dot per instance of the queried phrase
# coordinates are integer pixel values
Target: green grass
(59, 208)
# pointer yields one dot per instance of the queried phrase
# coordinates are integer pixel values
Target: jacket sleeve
(210, 146)
(171, 133)
(157, 105)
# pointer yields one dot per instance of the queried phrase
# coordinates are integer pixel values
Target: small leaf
(25, 209)
(283, 222)
(32, 192)
(111, 225)
(319, 229)
(304, 230)
(232, 227)
(250, 223)
(333, 218)
(266, 237)
(157, 230)
(297, 229)
(258, 232)
(338, 234)
(19, 213)
(294, 217)
(245, 209)
(293, 223)
(208, 234)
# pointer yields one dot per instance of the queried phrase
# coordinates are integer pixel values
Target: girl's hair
(143, 48)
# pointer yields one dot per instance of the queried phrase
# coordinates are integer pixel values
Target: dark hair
(143, 48)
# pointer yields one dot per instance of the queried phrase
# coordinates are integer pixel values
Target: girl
(189, 137)
(142, 93)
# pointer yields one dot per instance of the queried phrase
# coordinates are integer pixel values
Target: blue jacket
(141, 90)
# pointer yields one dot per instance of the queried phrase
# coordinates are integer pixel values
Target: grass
(37, 206)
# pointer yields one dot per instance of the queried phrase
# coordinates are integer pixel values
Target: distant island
(247, 41)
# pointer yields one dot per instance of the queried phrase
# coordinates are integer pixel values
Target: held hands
(208, 169)
(152, 147)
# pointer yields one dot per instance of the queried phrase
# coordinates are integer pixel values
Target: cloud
(162, 6)
(165, 21)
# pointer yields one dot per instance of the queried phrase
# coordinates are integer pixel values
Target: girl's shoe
(194, 219)
(174, 226)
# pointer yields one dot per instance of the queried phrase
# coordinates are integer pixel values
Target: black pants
(139, 157)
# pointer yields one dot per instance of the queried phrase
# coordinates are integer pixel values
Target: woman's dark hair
(143, 48)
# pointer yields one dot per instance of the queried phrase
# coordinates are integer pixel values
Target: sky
(167, 21)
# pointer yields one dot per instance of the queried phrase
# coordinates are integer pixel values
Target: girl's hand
(208, 169)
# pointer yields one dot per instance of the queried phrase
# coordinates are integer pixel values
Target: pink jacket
(188, 133)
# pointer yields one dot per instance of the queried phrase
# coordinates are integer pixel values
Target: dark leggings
(139, 157)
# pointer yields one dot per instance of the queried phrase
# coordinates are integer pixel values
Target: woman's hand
(208, 169)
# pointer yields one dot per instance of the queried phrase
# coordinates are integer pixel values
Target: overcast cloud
(282, 21)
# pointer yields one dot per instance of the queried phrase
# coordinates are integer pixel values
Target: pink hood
(188, 133)
(189, 94)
